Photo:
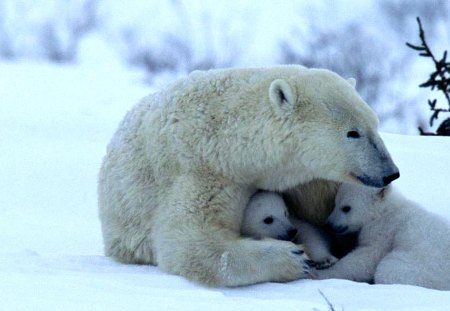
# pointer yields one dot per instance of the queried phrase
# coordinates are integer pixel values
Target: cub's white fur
(399, 242)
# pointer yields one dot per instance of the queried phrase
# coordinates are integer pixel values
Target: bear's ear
(282, 97)
(352, 82)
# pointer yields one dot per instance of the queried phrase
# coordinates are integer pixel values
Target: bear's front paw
(325, 263)
(268, 260)
(289, 262)
(307, 263)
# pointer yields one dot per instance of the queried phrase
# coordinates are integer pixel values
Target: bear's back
(198, 116)
(202, 85)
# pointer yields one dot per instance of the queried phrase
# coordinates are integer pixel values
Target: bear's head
(354, 207)
(336, 129)
(266, 216)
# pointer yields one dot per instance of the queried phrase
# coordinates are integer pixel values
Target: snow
(55, 124)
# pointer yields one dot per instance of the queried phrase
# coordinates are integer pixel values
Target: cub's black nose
(292, 233)
(388, 179)
(328, 226)
(335, 229)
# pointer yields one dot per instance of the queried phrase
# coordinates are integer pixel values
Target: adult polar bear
(183, 163)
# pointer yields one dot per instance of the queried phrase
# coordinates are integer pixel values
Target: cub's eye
(353, 134)
(268, 220)
(346, 209)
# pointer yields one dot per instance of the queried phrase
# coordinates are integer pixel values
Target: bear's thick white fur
(399, 242)
(183, 163)
(266, 216)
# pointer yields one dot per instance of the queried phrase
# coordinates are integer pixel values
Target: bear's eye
(268, 220)
(346, 209)
(353, 134)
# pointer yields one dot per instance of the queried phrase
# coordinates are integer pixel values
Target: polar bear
(266, 216)
(399, 242)
(183, 163)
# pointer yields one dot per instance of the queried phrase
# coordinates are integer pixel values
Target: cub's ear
(282, 97)
(352, 82)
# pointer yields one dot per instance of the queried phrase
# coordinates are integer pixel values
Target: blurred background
(161, 40)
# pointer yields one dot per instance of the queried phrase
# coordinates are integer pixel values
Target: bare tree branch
(439, 80)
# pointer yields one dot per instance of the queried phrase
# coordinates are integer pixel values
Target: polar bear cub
(266, 216)
(399, 242)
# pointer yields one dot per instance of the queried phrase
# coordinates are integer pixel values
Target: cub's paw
(325, 263)
(322, 274)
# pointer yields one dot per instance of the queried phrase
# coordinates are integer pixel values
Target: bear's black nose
(388, 179)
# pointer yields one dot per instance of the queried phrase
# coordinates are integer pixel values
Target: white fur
(183, 163)
(399, 242)
(352, 82)
(266, 216)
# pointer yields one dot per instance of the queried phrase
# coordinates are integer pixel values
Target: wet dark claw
(298, 252)
(310, 263)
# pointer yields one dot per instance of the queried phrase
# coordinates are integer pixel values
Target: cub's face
(355, 206)
(266, 216)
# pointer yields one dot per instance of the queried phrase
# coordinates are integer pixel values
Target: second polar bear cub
(266, 216)
(399, 242)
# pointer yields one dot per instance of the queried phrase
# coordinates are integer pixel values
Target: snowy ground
(55, 124)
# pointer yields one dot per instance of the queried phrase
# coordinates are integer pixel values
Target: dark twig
(330, 305)
(326, 299)
(439, 79)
